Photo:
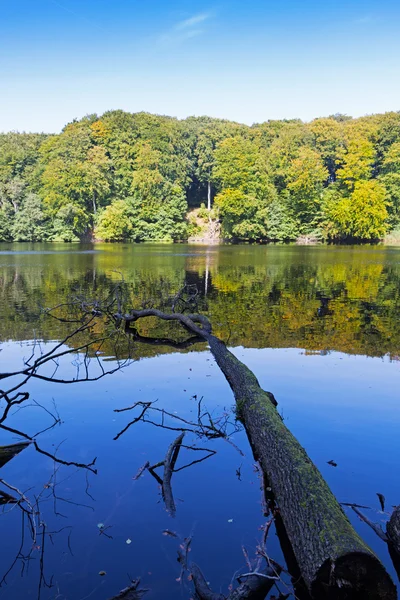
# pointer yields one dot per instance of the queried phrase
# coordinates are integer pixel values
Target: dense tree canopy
(124, 176)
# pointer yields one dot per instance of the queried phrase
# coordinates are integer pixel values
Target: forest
(142, 177)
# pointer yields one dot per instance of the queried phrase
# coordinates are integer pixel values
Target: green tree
(242, 215)
(204, 134)
(115, 222)
(159, 206)
(241, 171)
(75, 170)
(307, 177)
(5, 226)
(69, 224)
(30, 223)
(12, 194)
(281, 225)
(390, 177)
(284, 149)
(241, 164)
(19, 154)
(356, 162)
(362, 215)
(328, 141)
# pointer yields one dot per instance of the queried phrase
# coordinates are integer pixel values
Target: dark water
(318, 326)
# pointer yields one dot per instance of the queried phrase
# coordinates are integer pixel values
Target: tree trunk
(209, 196)
(393, 534)
(94, 203)
(393, 529)
(334, 561)
(8, 452)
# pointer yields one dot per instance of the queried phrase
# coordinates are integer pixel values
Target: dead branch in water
(168, 464)
(207, 426)
(252, 585)
(327, 548)
(132, 592)
(82, 345)
(391, 536)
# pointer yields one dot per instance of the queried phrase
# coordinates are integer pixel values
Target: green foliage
(124, 176)
(246, 190)
(284, 149)
(203, 213)
(356, 162)
(115, 222)
(5, 226)
(30, 223)
(361, 215)
(69, 224)
(307, 177)
(390, 177)
(241, 164)
(328, 142)
(281, 225)
(75, 170)
(159, 205)
(242, 215)
(19, 154)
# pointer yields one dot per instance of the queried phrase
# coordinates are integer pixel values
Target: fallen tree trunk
(393, 529)
(393, 534)
(8, 452)
(334, 561)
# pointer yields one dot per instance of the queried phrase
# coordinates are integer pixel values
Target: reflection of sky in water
(340, 407)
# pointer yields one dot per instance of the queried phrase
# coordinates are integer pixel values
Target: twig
(169, 463)
(377, 528)
(141, 470)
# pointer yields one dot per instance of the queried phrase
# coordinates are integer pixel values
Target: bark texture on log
(8, 452)
(201, 586)
(393, 529)
(334, 561)
(255, 587)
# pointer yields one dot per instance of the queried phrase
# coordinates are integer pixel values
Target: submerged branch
(132, 592)
(327, 548)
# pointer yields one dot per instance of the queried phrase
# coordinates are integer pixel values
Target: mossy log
(393, 535)
(393, 529)
(334, 561)
(8, 452)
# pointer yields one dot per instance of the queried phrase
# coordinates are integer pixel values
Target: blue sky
(247, 61)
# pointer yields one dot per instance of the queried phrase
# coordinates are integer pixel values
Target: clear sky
(245, 60)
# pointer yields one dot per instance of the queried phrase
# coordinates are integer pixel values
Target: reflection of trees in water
(93, 331)
(274, 302)
(47, 365)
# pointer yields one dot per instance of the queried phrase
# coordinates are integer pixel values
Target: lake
(318, 325)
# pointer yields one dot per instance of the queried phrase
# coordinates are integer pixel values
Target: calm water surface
(319, 327)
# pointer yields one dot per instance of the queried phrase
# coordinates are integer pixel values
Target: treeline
(136, 177)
